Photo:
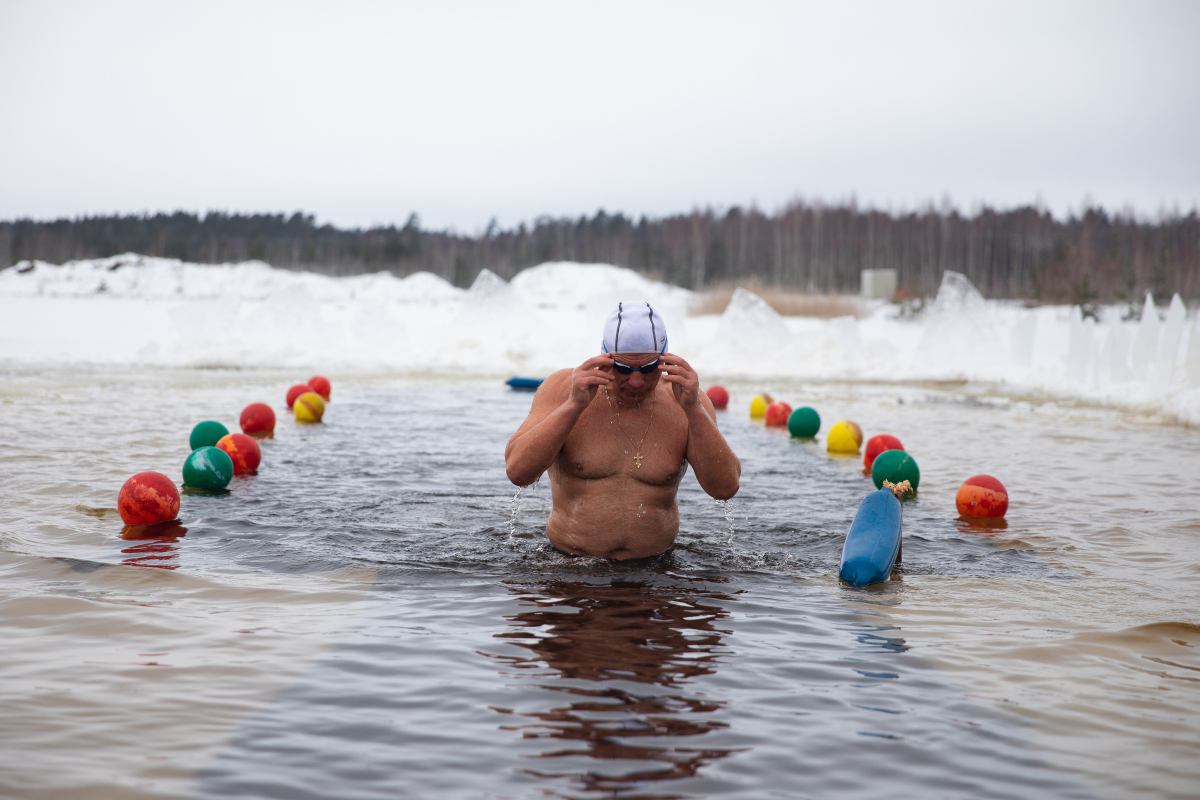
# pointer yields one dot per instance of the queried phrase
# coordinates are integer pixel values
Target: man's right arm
(557, 406)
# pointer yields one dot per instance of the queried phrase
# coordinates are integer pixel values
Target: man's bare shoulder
(552, 393)
(556, 387)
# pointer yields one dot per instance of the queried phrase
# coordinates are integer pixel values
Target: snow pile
(134, 276)
(133, 310)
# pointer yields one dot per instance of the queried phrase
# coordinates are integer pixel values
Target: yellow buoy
(758, 406)
(309, 407)
(844, 437)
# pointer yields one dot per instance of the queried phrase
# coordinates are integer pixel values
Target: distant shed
(879, 283)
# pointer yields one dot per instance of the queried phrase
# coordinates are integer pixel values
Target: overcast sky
(364, 112)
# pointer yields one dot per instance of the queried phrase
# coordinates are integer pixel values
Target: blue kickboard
(524, 383)
(873, 543)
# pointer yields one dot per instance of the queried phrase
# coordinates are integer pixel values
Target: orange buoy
(879, 444)
(258, 420)
(320, 385)
(776, 415)
(242, 450)
(148, 498)
(982, 497)
(718, 395)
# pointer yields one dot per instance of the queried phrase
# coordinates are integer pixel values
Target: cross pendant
(638, 459)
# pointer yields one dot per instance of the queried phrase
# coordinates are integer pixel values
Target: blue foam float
(873, 544)
(526, 384)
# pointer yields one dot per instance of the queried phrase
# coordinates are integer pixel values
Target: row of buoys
(307, 400)
(979, 497)
(151, 498)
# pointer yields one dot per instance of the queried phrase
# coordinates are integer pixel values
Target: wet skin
(604, 503)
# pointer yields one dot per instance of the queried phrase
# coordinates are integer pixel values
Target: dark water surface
(368, 616)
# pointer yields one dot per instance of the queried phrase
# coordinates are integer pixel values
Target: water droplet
(727, 507)
(515, 505)
(514, 508)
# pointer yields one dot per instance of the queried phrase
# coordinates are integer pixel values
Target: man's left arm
(717, 468)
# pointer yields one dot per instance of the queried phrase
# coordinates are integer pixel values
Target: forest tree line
(1022, 253)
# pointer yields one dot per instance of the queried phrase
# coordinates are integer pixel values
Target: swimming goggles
(646, 369)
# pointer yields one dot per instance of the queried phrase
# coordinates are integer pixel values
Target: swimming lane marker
(873, 544)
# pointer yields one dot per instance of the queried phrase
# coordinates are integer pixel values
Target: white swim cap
(635, 328)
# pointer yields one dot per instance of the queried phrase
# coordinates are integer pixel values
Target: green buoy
(804, 423)
(895, 466)
(207, 468)
(207, 434)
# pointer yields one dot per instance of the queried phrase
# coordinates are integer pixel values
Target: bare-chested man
(617, 434)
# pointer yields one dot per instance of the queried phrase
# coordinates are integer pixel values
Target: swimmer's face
(635, 386)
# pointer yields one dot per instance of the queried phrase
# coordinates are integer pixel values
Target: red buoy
(982, 497)
(296, 391)
(148, 498)
(879, 444)
(777, 414)
(718, 395)
(320, 385)
(258, 420)
(242, 450)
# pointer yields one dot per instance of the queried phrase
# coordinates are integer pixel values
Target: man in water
(617, 434)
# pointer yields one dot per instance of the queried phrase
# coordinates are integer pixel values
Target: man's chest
(650, 448)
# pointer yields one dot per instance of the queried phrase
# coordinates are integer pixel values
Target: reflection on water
(627, 652)
(159, 553)
(981, 527)
(158, 546)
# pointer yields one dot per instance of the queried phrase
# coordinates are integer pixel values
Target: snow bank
(131, 310)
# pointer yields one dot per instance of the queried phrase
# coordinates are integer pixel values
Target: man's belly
(616, 517)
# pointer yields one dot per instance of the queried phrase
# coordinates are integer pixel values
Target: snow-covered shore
(137, 311)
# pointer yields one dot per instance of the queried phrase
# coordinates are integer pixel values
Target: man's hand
(588, 377)
(683, 380)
